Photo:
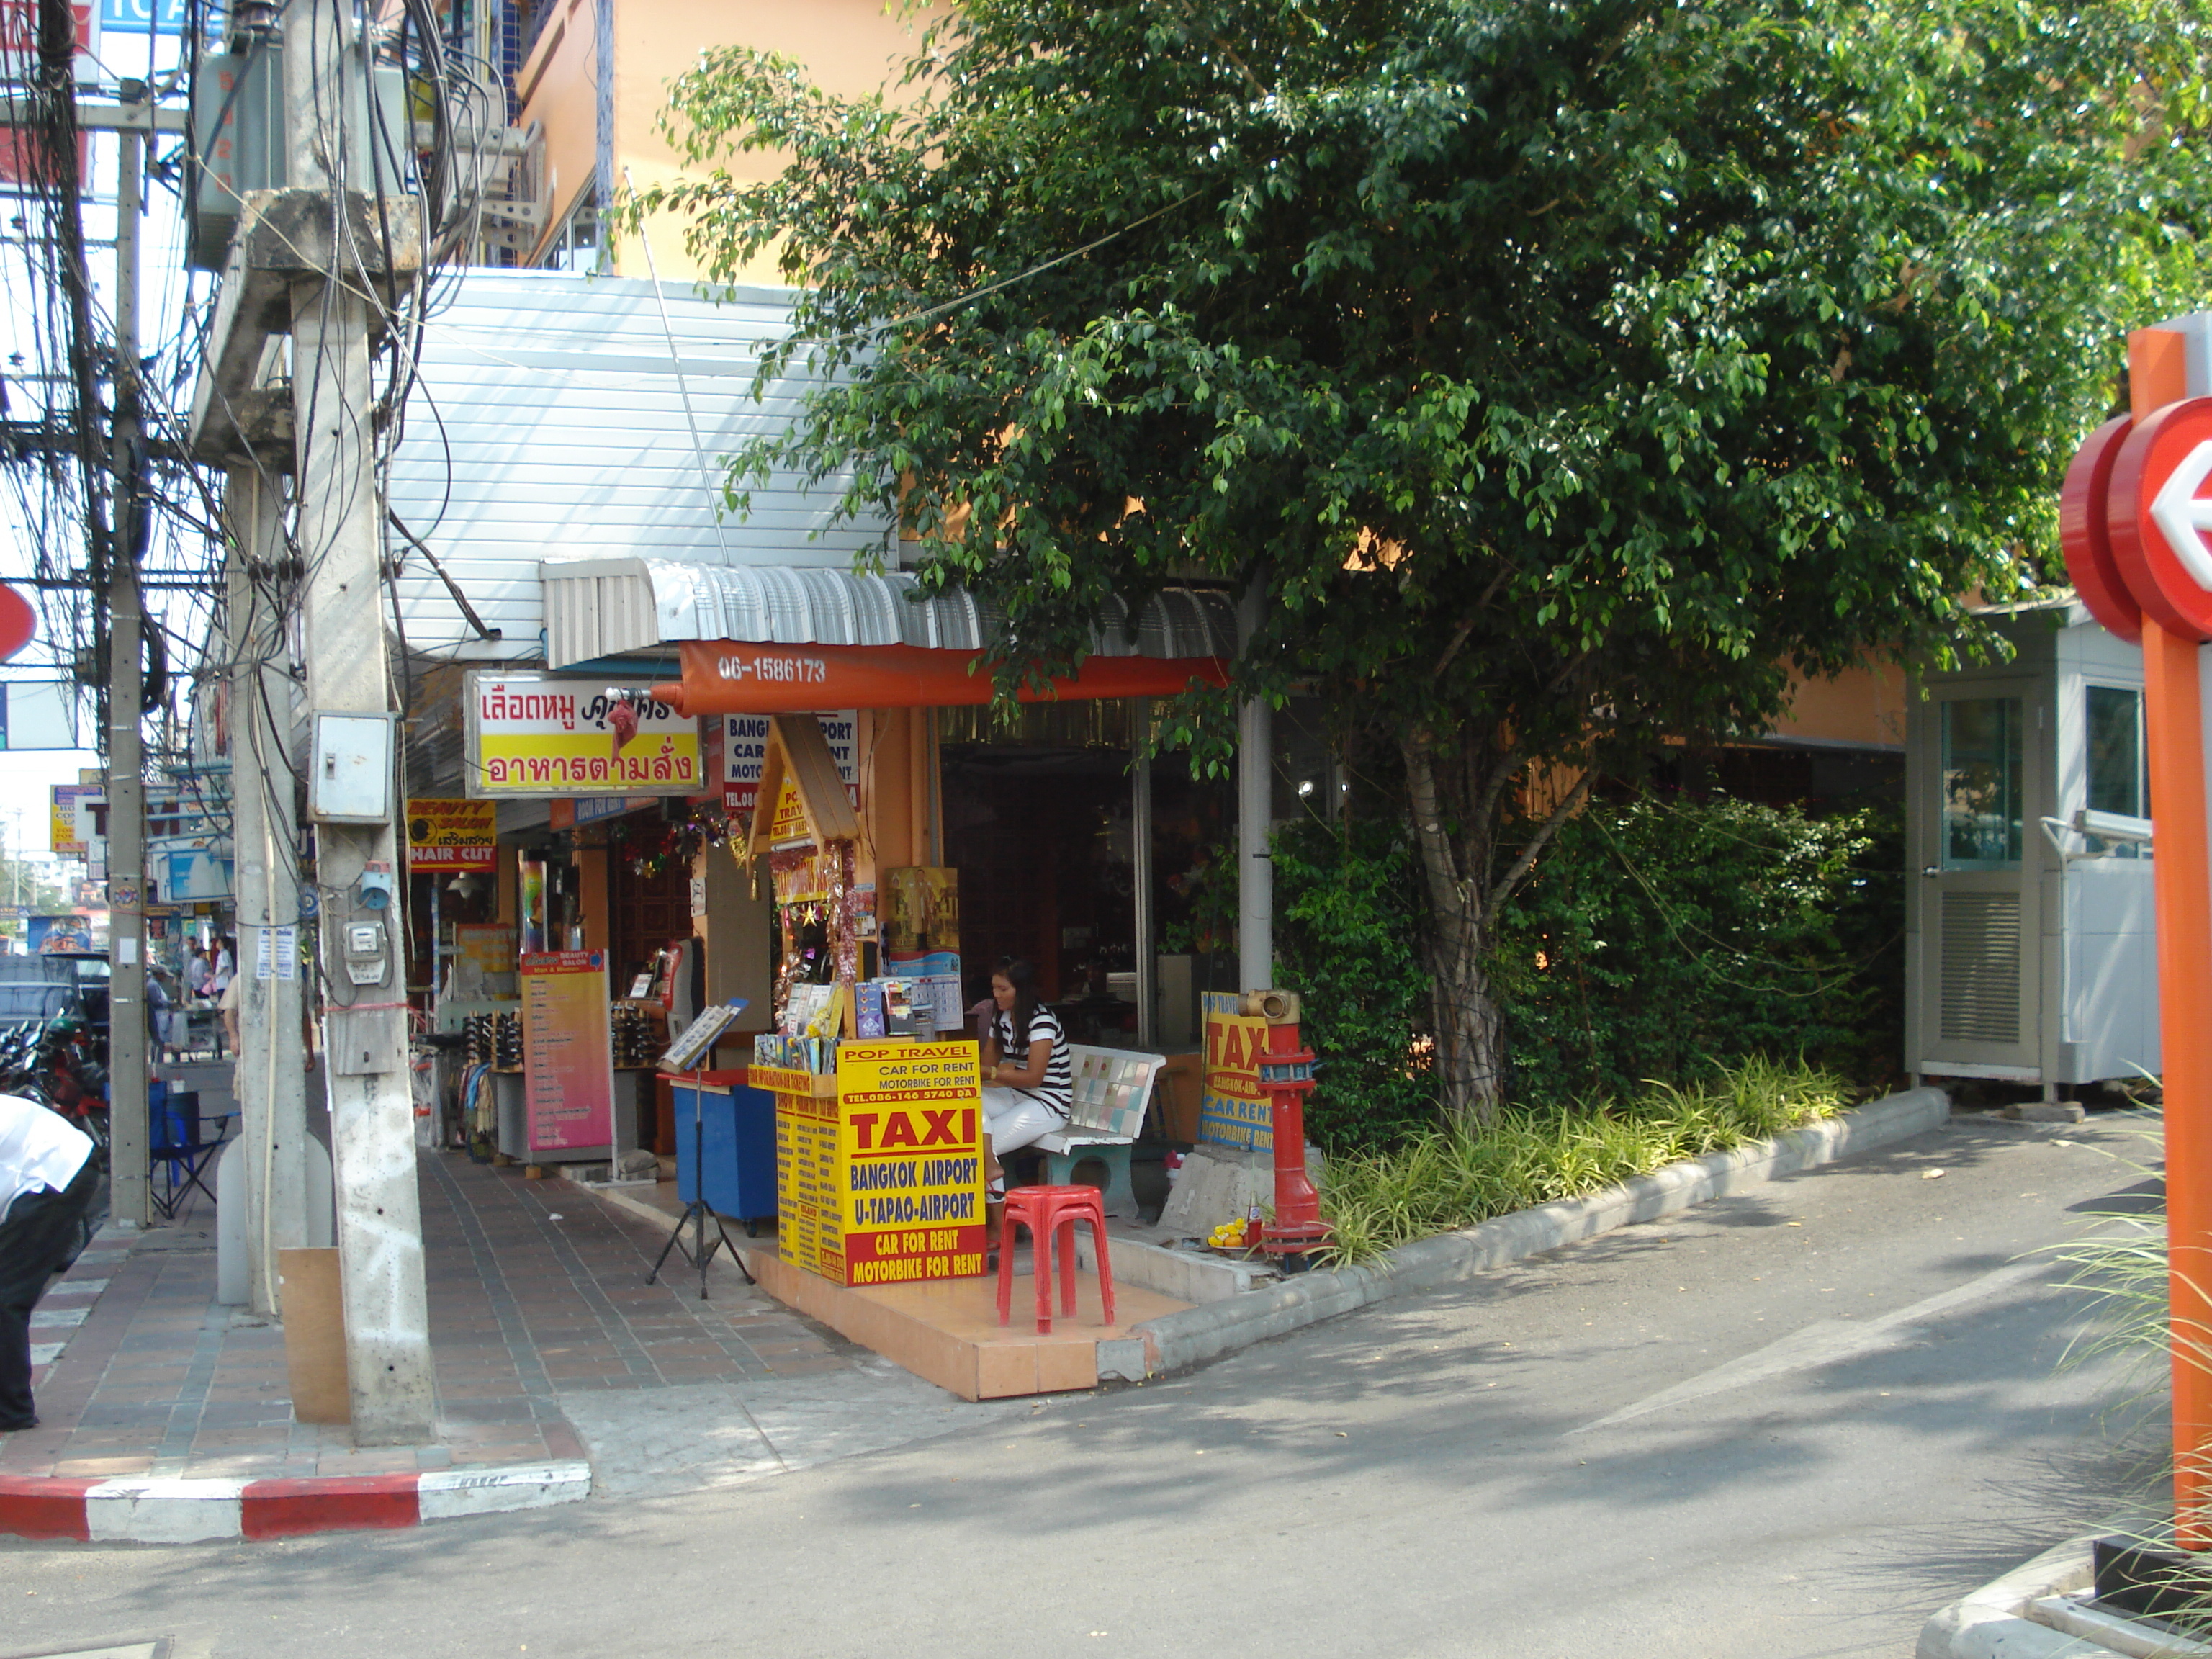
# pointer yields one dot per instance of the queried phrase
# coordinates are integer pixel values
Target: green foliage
(1447, 1179)
(1659, 936)
(1561, 370)
(1347, 935)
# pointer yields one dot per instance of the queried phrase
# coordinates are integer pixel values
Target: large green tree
(1559, 371)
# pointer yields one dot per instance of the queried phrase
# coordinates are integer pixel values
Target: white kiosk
(2031, 954)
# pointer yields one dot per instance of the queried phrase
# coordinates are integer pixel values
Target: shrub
(1660, 938)
(1348, 920)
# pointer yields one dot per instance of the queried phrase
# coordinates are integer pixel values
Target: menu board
(567, 1051)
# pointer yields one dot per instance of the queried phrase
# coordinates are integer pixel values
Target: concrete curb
(1195, 1334)
(1988, 1625)
(142, 1511)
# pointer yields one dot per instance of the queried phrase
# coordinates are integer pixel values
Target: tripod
(699, 1252)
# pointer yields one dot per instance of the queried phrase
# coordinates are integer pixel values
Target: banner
(744, 743)
(451, 835)
(567, 1051)
(1233, 1111)
(532, 737)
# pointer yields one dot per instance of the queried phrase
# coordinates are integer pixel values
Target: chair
(1106, 1113)
(179, 1146)
(1050, 1213)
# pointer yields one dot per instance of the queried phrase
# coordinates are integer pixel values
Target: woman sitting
(1028, 1082)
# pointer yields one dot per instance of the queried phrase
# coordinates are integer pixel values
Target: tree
(1561, 373)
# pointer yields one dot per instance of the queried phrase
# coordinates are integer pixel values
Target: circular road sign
(2083, 536)
(2159, 514)
(18, 622)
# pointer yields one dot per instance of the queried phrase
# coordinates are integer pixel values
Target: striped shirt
(1057, 1090)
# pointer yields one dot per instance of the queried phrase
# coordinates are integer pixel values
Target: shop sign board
(451, 835)
(567, 1051)
(532, 736)
(71, 825)
(745, 746)
(882, 1183)
(1233, 1111)
(483, 960)
(596, 808)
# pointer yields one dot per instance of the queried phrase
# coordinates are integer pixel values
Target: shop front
(827, 825)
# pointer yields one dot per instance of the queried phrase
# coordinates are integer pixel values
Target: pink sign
(567, 1051)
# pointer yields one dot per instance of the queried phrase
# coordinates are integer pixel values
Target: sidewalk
(539, 1312)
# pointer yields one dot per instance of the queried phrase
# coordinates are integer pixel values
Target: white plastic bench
(1113, 1086)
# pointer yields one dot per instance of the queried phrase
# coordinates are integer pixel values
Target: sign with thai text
(567, 1051)
(532, 736)
(1233, 1111)
(451, 835)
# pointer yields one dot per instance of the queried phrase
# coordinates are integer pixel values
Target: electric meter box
(350, 780)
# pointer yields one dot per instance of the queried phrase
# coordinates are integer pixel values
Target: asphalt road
(1786, 1424)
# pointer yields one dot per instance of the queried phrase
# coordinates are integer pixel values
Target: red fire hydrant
(1286, 1073)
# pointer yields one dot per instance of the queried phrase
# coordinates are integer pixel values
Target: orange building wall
(558, 81)
(847, 46)
(1860, 706)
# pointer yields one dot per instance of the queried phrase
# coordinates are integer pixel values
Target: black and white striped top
(1057, 1090)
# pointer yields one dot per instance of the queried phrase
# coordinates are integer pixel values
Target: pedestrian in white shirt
(47, 1178)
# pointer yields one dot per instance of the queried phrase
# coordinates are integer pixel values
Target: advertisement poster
(530, 736)
(883, 1185)
(567, 1051)
(744, 743)
(451, 835)
(483, 960)
(70, 828)
(1233, 1112)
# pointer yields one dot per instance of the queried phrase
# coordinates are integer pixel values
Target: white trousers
(1013, 1120)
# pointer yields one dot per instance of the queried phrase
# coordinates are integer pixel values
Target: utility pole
(337, 531)
(271, 1070)
(129, 1154)
(1256, 811)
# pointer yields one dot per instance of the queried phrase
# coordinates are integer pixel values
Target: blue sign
(140, 16)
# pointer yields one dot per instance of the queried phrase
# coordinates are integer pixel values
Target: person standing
(198, 974)
(226, 967)
(47, 1179)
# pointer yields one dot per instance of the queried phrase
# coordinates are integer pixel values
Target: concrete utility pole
(271, 1069)
(336, 530)
(129, 1153)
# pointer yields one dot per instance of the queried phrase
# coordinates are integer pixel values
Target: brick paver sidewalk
(536, 1289)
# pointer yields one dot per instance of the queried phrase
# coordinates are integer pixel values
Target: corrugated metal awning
(603, 607)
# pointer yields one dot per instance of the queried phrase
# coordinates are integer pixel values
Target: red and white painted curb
(150, 1511)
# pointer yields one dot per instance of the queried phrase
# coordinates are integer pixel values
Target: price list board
(567, 1056)
(808, 1230)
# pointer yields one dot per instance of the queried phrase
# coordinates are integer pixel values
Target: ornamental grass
(1449, 1178)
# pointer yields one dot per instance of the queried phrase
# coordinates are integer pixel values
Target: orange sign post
(2134, 519)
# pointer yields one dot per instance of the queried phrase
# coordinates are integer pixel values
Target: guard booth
(2031, 955)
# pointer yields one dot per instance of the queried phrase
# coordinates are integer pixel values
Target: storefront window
(2116, 783)
(1982, 806)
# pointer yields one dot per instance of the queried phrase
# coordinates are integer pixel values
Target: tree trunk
(1469, 1029)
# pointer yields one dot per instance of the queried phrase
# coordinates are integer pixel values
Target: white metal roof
(599, 607)
(547, 423)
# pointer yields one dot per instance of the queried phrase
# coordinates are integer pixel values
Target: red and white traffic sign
(2158, 513)
(2084, 539)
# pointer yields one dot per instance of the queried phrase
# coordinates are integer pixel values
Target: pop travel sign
(531, 735)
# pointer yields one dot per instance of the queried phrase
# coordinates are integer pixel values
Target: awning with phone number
(724, 677)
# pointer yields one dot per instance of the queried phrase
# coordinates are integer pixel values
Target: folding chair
(179, 1149)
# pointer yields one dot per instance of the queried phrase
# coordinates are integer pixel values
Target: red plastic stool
(1050, 1213)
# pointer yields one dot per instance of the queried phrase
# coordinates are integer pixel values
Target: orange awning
(723, 677)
